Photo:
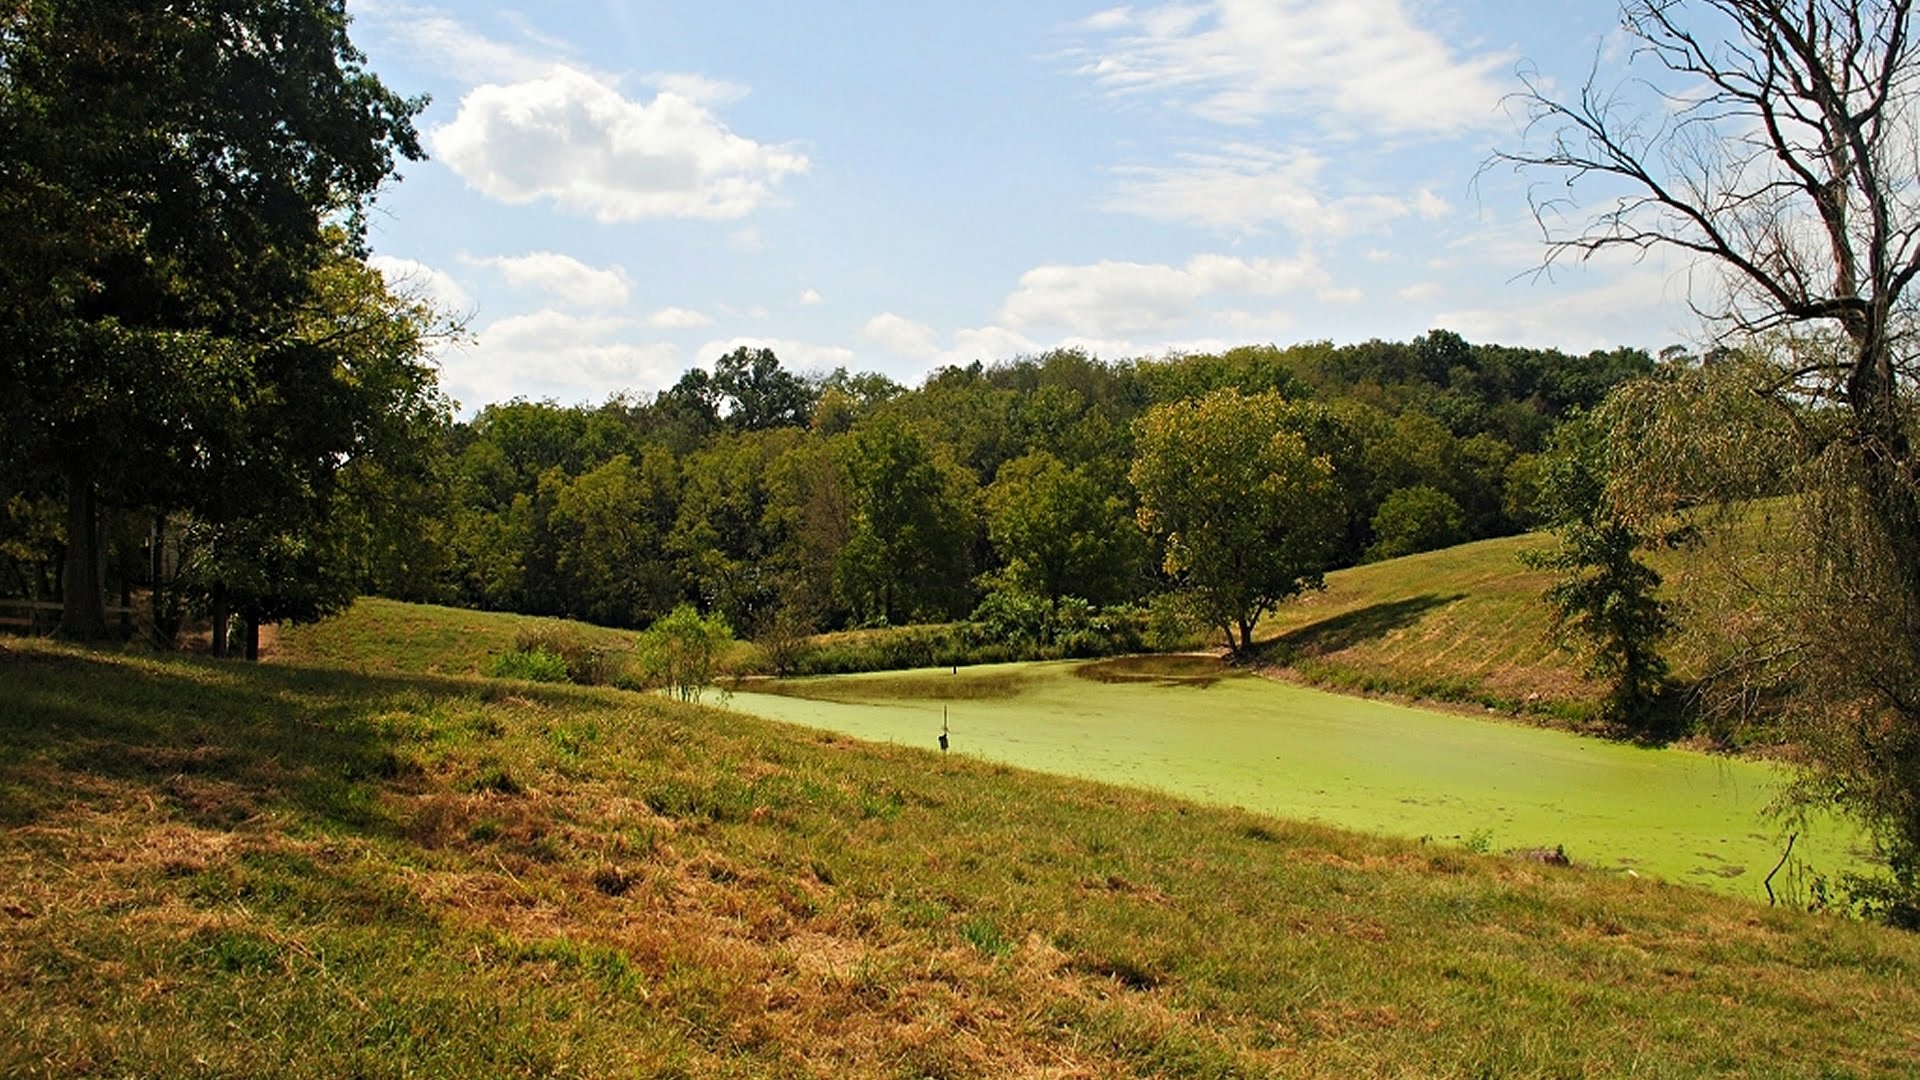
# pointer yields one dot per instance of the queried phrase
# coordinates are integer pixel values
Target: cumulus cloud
(678, 318)
(416, 280)
(563, 277)
(1125, 298)
(557, 354)
(1244, 186)
(810, 296)
(901, 336)
(1362, 64)
(573, 138)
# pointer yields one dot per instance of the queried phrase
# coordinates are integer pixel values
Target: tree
(610, 527)
(1604, 593)
(174, 176)
(1415, 519)
(1780, 147)
(910, 553)
(681, 651)
(324, 429)
(1059, 532)
(760, 393)
(1247, 511)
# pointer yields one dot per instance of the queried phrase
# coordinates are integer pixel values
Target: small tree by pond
(681, 652)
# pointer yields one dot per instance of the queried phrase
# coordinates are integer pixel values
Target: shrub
(1415, 519)
(681, 652)
(534, 665)
(584, 663)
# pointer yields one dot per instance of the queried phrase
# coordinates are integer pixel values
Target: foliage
(1245, 507)
(1604, 592)
(1787, 160)
(680, 653)
(168, 208)
(532, 665)
(909, 555)
(1413, 520)
(1060, 533)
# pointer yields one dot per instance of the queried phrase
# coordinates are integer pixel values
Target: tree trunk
(83, 608)
(222, 615)
(253, 639)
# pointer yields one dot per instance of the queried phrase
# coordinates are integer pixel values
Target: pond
(1189, 728)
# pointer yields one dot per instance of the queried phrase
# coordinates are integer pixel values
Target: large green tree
(1060, 533)
(1248, 512)
(910, 552)
(175, 174)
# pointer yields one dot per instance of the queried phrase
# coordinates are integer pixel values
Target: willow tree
(1778, 142)
(175, 175)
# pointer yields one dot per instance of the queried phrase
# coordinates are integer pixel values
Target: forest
(803, 502)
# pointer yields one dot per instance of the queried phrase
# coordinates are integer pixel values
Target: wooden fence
(41, 617)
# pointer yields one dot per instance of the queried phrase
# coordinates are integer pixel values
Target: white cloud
(1599, 307)
(1431, 206)
(1109, 298)
(1423, 290)
(549, 353)
(573, 138)
(1244, 186)
(564, 277)
(1340, 296)
(698, 88)
(416, 280)
(678, 318)
(810, 296)
(1358, 63)
(456, 49)
(901, 336)
(794, 355)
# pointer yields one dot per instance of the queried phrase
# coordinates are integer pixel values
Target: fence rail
(43, 617)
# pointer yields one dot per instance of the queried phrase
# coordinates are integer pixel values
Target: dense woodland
(825, 502)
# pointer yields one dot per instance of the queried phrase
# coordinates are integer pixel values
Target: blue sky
(618, 191)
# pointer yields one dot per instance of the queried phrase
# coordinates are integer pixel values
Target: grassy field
(1465, 625)
(1196, 728)
(211, 869)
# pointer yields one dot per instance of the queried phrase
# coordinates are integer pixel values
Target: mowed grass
(389, 637)
(1466, 625)
(212, 869)
(1192, 726)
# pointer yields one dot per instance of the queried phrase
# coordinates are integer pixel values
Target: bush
(584, 663)
(681, 652)
(1415, 519)
(534, 665)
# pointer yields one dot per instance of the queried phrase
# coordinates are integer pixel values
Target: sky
(618, 191)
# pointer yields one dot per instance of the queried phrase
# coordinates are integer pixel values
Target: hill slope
(215, 869)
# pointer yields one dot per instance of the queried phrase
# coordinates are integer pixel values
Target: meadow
(213, 869)
(1192, 727)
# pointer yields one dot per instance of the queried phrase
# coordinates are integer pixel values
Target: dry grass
(215, 870)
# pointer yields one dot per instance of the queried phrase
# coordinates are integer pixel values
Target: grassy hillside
(221, 870)
(386, 636)
(1464, 625)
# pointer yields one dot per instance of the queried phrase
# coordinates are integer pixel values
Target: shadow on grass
(215, 742)
(1343, 631)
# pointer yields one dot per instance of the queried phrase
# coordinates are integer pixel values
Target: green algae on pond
(1239, 740)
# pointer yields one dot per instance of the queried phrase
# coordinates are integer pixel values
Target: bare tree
(1778, 141)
